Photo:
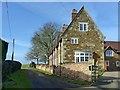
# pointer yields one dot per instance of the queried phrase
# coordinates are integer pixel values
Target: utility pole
(12, 58)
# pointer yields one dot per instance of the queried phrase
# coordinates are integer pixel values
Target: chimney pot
(64, 27)
(74, 13)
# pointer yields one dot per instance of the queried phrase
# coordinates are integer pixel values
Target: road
(40, 80)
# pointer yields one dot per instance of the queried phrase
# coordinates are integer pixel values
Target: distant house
(79, 43)
(3, 49)
(112, 55)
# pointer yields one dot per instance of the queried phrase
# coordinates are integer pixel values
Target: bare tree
(42, 40)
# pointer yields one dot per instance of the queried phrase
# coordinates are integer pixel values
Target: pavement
(109, 80)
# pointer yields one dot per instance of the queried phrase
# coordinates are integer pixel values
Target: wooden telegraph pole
(12, 58)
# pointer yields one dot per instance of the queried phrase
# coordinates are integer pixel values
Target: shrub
(100, 71)
(16, 66)
(8, 67)
(32, 64)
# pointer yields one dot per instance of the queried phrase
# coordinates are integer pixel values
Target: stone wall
(45, 67)
(76, 71)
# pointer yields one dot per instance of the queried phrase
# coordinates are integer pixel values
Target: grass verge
(25, 66)
(18, 79)
(42, 71)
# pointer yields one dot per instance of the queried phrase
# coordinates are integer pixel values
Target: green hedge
(32, 64)
(9, 67)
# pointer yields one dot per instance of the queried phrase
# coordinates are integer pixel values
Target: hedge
(9, 67)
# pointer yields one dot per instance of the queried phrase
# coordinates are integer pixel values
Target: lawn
(18, 79)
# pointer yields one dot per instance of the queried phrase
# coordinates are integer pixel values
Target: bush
(16, 66)
(8, 67)
(32, 64)
(100, 71)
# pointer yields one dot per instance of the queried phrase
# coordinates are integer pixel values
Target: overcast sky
(26, 18)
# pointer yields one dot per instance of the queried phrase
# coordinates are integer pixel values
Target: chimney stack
(74, 13)
(64, 27)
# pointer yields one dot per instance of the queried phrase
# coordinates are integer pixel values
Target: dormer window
(109, 53)
(74, 40)
(83, 26)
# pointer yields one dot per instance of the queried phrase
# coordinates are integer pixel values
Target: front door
(106, 65)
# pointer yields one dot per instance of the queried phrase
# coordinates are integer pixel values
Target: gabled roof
(114, 45)
(77, 15)
(80, 11)
(73, 19)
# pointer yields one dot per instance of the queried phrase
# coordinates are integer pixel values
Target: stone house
(112, 55)
(79, 46)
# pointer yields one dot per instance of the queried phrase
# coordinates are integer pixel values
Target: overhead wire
(9, 25)
(10, 34)
(61, 3)
(67, 11)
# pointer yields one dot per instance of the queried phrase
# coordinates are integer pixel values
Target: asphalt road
(40, 80)
(108, 81)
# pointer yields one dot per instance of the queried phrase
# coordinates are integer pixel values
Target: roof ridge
(112, 41)
(74, 19)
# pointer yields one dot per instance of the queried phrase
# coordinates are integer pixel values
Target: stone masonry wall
(45, 67)
(112, 61)
(91, 40)
(77, 71)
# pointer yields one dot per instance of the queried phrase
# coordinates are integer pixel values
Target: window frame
(82, 56)
(74, 40)
(117, 63)
(83, 26)
(108, 54)
(107, 62)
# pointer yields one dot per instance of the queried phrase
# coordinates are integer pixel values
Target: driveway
(40, 80)
(109, 80)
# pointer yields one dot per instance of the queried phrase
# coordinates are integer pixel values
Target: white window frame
(107, 53)
(75, 40)
(82, 55)
(83, 29)
(107, 62)
(117, 63)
